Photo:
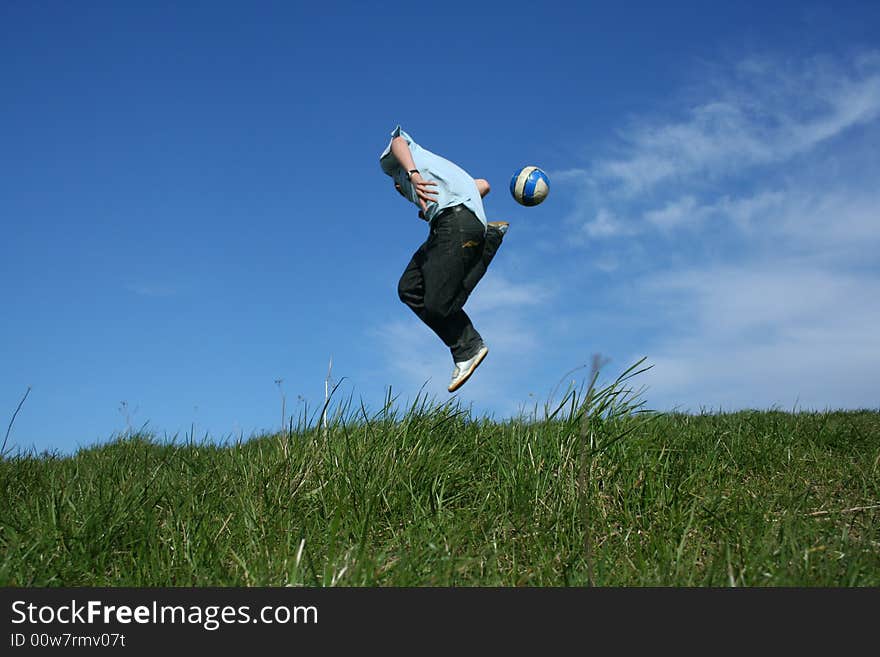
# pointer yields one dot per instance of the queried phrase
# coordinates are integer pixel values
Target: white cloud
(730, 302)
(606, 224)
(763, 336)
(841, 223)
(412, 351)
(745, 211)
(495, 292)
(759, 212)
(714, 135)
(764, 115)
(676, 213)
(602, 225)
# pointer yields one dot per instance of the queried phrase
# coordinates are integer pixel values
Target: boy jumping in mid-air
(445, 269)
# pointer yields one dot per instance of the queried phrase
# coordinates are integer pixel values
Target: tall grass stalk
(12, 421)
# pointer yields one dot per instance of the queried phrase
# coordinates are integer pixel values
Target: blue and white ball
(529, 186)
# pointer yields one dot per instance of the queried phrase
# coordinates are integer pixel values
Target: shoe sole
(473, 368)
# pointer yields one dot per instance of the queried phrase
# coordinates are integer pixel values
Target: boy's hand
(423, 190)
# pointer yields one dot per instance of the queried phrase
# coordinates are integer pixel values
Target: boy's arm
(400, 150)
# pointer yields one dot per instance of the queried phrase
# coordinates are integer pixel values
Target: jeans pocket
(470, 228)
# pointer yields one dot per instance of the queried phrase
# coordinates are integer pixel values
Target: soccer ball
(529, 186)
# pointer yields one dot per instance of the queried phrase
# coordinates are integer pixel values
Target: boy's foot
(463, 370)
(500, 225)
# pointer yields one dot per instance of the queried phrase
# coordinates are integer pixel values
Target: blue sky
(192, 207)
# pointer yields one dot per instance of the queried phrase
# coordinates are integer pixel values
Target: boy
(445, 269)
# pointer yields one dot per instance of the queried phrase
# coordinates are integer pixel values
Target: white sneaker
(463, 370)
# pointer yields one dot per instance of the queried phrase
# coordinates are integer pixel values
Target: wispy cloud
(768, 337)
(666, 172)
(411, 352)
(605, 224)
(497, 291)
(759, 207)
(766, 112)
(743, 212)
(676, 213)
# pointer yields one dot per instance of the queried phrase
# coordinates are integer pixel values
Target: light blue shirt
(454, 185)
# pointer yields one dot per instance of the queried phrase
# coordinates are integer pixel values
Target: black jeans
(442, 274)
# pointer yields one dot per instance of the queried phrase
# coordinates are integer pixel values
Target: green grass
(597, 491)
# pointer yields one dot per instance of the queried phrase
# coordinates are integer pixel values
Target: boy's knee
(441, 307)
(435, 310)
(431, 310)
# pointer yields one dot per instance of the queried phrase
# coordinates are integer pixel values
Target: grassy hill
(597, 491)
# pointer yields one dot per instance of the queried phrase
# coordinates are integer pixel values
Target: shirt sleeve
(387, 160)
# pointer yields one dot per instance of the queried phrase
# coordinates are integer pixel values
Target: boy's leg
(432, 283)
(493, 240)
